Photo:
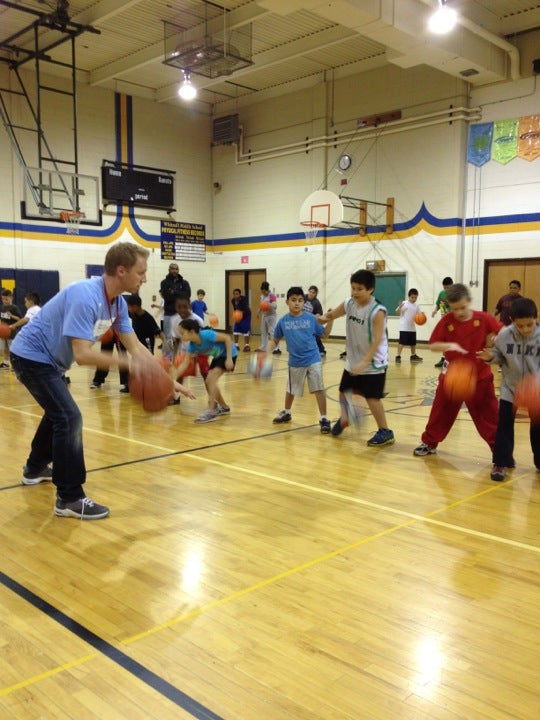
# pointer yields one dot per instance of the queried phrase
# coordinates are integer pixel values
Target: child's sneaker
(498, 472)
(324, 424)
(339, 427)
(416, 358)
(383, 436)
(44, 475)
(207, 416)
(283, 416)
(398, 359)
(247, 348)
(223, 410)
(83, 509)
(424, 449)
(4, 366)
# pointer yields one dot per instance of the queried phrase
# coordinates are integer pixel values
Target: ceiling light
(443, 20)
(186, 90)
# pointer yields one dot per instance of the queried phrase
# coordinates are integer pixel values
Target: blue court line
(117, 656)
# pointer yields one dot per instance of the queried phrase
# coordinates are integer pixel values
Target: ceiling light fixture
(443, 20)
(186, 90)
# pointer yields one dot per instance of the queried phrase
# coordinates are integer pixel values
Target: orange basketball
(108, 336)
(5, 330)
(420, 318)
(213, 320)
(190, 370)
(460, 380)
(153, 387)
(528, 395)
(237, 315)
(165, 363)
(264, 306)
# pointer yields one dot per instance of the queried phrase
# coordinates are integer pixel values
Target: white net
(311, 230)
(72, 219)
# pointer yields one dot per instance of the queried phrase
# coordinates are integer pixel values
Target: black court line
(141, 672)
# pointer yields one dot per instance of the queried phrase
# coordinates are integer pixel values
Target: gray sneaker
(44, 475)
(223, 410)
(283, 416)
(424, 449)
(83, 509)
(207, 416)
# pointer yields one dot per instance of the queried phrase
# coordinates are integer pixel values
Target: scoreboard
(137, 185)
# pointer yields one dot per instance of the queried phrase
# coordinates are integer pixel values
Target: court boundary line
(108, 650)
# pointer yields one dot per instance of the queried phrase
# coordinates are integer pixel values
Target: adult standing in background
(313, 305)
(172, 287)
(503, 304)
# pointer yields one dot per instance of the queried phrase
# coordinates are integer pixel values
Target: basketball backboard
(47, 193)
(322, 208)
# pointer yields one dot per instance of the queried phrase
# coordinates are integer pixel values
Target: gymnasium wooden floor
(258, 572)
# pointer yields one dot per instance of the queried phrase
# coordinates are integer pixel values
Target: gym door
(249, 282)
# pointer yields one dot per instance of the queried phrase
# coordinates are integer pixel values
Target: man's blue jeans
(59, 434)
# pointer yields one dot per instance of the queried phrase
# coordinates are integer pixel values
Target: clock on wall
(344, 162)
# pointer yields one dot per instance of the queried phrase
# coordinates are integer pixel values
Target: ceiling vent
(469, 72)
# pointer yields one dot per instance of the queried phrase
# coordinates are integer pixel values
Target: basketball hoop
(311, 229)
(72, 219)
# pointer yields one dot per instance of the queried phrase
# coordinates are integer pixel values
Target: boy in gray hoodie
(517, 350)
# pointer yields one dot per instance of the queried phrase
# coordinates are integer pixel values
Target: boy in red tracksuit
(463, 332)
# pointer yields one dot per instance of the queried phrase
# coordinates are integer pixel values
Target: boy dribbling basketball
(462, 332)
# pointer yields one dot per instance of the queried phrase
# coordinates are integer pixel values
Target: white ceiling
(295, 43)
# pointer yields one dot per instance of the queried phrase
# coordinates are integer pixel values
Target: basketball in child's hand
(5, 330)
(108, 336)
(152, 386)
(460, 380)
(237, 315)
(260, 366)
(213, 320)
(264, 306)
(528, 395)
(190, 370)
(420, 318)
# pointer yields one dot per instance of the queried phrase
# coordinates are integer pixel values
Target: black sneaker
(398, 358)
(283, 416)
(94, 385)
(440, 363)
(83, 509)
(338, 427)
(498, 472)
(124, 389)
(277, 351)
(45, 475)
(416, 358)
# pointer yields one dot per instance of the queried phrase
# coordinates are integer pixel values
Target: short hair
(34, 297)
(265, 285)
(189, 324)
(125, 254)
(523, 308)
(237, 290)
(313, 287)
(183, 298)
(201, 292)
(457, 292)
(412, 291)
(365, 278)
(5, 291)
(295, 290)
(515, 282)
(447, 281)
(134, 299)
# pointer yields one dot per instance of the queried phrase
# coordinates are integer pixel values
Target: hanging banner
(479, 146)
(505, 140)
(529, 137)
